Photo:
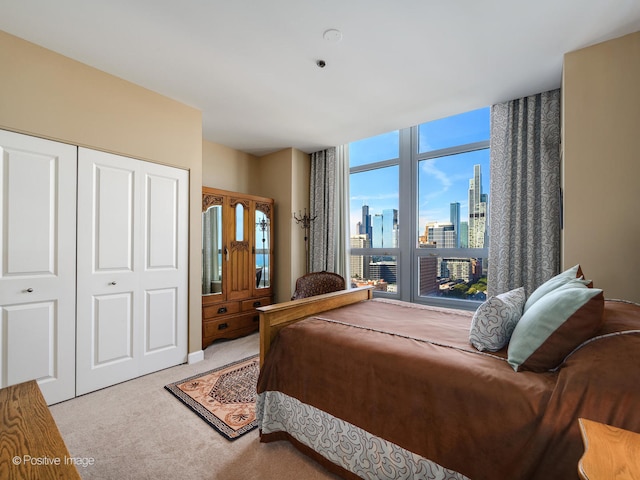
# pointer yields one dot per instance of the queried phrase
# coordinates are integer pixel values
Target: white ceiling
(250, 65)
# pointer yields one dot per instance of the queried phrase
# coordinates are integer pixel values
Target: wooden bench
(30, 443)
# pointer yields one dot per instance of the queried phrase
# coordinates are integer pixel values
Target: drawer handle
(222, 310)
(257, 303)
(222, 326)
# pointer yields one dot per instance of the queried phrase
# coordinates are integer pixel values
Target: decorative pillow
(495, 319)
(555, 325)
(553, 283)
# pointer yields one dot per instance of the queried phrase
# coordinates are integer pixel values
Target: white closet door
(164, 277)
(37, 267)
(108, 293)
(132, 270)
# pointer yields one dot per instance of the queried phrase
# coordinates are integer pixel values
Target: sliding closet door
(37, 266)
(132, 268)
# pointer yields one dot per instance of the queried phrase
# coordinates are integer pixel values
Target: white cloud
(430, 168)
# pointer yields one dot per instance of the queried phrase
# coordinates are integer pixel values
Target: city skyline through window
(449, 186)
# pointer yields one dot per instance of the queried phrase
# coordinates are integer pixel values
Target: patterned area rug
(224, 397)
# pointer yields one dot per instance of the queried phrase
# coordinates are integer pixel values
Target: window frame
(407, 259)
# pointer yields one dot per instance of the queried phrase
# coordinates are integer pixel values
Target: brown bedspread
(408, 374)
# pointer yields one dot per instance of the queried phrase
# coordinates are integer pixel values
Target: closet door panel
(161, 216)
(112, 329)
(113, 218)
(165, 274)
(30, 354)
(135, 249)
(30, 220)
(109, 297)
(37, 264)
(161, 320)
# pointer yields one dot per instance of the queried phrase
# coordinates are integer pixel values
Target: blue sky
(441, 181)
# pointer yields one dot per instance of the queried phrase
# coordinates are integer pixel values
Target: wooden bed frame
(274, 317)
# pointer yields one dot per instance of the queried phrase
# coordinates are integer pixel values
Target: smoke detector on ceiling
(332, 35)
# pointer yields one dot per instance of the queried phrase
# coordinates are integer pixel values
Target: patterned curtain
(341, 256)
(524, 211)
(329, 185)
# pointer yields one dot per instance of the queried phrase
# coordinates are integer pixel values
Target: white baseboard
(195, 357)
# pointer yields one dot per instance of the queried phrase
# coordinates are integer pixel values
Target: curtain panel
(525, 206)
(329, 192)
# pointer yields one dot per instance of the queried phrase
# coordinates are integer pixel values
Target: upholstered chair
(317, 283)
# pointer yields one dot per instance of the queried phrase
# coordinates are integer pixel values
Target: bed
(375, 388)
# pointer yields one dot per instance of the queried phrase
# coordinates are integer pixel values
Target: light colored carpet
(138, 430)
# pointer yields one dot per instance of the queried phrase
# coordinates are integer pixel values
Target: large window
(419, 211)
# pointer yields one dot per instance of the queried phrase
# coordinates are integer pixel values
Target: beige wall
(284, 176)
(227, 169)
(301, 171)
(48, 95)
(601, 150)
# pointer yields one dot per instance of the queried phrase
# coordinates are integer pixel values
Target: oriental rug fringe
(224, 397)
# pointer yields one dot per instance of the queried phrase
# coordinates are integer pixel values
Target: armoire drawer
(254, 303)
(229, 327)
(214, 311)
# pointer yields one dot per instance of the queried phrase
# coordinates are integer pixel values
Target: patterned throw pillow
(494, 320)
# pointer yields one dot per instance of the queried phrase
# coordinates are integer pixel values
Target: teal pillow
(553, 283)
(554, 325)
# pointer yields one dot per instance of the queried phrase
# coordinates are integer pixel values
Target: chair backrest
(317, 283)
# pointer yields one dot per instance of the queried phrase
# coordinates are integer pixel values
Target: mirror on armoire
(262, 247)
(212, 245)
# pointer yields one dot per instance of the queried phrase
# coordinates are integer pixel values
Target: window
(419, 211)
(374, 189)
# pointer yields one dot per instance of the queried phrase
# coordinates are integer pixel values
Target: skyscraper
(377, 229)
(365, 224)
(454, 218)
(358, 268)
(442, 235)
(464, 234)
(390, 228)
(477, 210)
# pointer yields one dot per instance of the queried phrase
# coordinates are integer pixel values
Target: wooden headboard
(274, 317)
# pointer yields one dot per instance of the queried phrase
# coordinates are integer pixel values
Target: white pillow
(494, 320)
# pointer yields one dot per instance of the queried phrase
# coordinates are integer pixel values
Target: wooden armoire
(237, 259)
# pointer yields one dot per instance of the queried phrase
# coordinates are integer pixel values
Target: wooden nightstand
(610, 453)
